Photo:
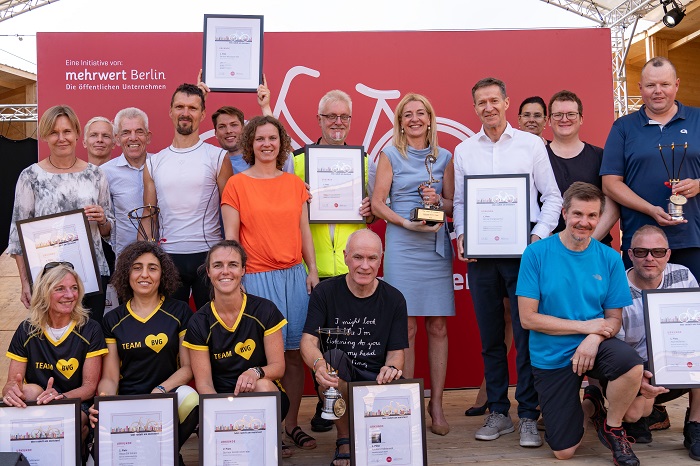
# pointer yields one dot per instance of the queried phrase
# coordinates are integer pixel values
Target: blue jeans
(490, 280)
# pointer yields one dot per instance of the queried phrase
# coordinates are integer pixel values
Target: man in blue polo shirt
(635, 176)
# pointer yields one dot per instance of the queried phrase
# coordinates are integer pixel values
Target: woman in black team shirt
(54, 353)
(235, 340)
(145, 335)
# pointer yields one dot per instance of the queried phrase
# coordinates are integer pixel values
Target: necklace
(56, 334)
(61, 168)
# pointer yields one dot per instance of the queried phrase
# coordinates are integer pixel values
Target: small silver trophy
(429, 213)
(675, 201)
(333, 404)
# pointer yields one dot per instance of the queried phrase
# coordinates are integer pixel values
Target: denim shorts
(287, 289)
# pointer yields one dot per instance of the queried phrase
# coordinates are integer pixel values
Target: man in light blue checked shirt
(125, 173)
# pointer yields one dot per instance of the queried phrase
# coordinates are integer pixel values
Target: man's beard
(185, 130)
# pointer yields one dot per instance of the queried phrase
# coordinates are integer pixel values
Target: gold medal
(678, 199)
(339, 407)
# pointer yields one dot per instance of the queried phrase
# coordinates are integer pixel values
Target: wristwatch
(259, 370)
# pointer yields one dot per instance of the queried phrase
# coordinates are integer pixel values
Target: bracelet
(440, 204)
(162, 389)
(316, 361)
(393, 367)
(103, 224)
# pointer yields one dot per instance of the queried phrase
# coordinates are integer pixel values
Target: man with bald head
(636, 177)
(376, 314)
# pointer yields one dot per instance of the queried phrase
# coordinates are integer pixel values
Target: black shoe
(593, 394)
(615, 438)
(476, 410)
(318, 424)
(639, 430)
(691, 433)
(658, 419)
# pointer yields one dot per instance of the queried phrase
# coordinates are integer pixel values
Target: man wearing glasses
(330, 240)
(651, 270)
(635, 175)
(574, 160)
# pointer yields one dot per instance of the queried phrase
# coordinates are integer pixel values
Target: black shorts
(559, 397)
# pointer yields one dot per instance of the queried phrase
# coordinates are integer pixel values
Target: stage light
(674, 12)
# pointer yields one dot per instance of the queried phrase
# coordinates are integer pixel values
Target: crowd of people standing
(240, 243)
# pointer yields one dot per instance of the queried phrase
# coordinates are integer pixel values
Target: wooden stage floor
(458, 447)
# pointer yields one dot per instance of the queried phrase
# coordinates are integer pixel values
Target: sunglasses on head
(53, 265)
(655, 252)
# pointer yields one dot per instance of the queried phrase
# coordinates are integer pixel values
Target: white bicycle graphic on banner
(299, 138)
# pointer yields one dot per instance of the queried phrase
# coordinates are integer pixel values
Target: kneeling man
(573, 307)
(374, 311)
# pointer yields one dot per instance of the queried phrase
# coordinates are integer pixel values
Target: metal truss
(20, 113)
(618, 19)
(12, 8)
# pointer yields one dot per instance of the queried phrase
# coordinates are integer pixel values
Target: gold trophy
(333, 404)
(675, 201)
(429, 213)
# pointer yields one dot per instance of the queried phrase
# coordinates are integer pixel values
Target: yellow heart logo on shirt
(245, 349)
(157, 342)
(67, 368)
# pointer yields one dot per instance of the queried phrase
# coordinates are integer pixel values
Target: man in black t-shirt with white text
(375, 313)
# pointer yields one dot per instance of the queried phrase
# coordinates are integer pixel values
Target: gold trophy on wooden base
(429, 213)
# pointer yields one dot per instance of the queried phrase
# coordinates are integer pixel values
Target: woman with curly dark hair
(265, 210)
(144, 335)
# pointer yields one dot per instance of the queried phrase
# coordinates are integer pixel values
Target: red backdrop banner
(101, 73)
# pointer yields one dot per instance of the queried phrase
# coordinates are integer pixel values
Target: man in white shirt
(500, 149)
(125, 173)
(185, 180)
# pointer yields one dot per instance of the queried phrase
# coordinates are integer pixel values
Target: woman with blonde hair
(60, 183)
(55, 353)
(416, 172)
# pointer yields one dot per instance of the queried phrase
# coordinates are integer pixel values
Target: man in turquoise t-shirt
(573, 308)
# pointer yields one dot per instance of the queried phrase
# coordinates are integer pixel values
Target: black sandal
(338, 455)
(301, 438)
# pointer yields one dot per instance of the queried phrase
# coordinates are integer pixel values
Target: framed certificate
(241, 429)
(46, 434)
(672, 320)
(137, 429)
(336, 177)
(496, 215)
(63, 237)
(233, 52)
(387, 423)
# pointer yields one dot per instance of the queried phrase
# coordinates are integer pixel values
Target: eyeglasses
(334, 117)
(534, 116)
(644, 252)
(560, 116)
(53, 265)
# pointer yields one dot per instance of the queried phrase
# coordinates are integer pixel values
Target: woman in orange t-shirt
(265, 210)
